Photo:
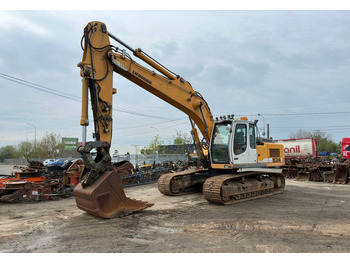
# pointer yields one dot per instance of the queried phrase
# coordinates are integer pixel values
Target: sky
(291, 67)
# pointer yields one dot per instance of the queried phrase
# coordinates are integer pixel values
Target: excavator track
(230, 189)
(184, 182)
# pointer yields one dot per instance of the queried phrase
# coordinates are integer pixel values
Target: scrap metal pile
(35, 182)
(146, 174)
(318, 170)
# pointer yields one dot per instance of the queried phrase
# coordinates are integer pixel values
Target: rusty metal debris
(151, 173)
(342, 172)
(318, 170)
(35, 182)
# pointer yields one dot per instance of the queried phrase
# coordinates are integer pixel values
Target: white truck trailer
(299, 148)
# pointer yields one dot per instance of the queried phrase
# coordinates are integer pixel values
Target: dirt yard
(307, 217)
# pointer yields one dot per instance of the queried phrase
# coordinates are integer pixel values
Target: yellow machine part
(270, 154)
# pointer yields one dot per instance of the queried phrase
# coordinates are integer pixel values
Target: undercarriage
(223, 189)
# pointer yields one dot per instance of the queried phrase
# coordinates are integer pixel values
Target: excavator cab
(233, 142)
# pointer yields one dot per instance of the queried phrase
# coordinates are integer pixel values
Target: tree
(8, 151)
(47, 146)
(182, 142)
(325, 142)
(153, 147)
(181, 138)
(25, 149)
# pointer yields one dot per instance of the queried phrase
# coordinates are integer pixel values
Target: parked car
(48, 161)
(59, 162)
(335, 155)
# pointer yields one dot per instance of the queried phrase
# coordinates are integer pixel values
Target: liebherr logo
(142, 77)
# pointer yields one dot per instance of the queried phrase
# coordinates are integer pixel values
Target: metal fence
(149, 159)
(133, 158)
(20, 161)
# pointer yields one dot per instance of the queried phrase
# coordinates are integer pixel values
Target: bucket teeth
(130, 206)
(147, 204)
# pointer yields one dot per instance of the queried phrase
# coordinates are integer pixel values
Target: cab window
(252, 136)
(240, 140)
(219, 146)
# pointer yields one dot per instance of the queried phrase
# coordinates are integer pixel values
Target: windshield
(219, 146)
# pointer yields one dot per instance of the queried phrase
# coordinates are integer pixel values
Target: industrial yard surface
(307, 217)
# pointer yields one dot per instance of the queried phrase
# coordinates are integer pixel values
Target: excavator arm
(100, 60)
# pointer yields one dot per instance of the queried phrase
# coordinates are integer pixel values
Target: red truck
(345, 147)
(301, 148)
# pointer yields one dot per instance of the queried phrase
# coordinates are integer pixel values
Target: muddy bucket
(303, 176)
(341, 173)
(315, 174)
(106, 197)
(328, 176)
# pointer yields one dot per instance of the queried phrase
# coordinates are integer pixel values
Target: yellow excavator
(228, 144)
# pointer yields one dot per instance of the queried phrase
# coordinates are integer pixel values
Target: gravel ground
(308, 217)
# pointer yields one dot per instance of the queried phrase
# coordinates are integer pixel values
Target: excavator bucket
(342, 172)
(303, 173)
(106, 197)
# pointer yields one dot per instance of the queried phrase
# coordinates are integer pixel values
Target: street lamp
(34, 139)
(263, 125)
(27, 142)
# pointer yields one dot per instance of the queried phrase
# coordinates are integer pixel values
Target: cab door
(243, 149)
